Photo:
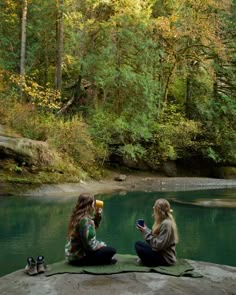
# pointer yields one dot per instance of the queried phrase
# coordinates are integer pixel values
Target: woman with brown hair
(160, 242)
(82, 247)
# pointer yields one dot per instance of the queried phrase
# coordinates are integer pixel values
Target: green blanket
(126, 263)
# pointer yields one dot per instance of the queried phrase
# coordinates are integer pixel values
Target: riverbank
(136, 181)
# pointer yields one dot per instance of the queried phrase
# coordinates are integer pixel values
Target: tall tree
(59, 39)
(10, 30)
(187, 34)
(41, 37)
(23, 42)
(23, 37)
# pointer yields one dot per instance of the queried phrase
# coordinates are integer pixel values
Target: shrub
(166, 138)
(69, 137)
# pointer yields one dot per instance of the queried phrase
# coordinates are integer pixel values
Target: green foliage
(171, 138)
(11, 166)
(25, 119)
(218, 118)
(212, 154)
(44, 98)
(120, 134)
(9, 34)
(154, 80)
(133, 151)
(70, 138)
(41, 41)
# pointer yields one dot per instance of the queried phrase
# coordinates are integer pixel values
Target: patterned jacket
(83, 238)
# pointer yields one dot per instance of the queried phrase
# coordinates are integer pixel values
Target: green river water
(32, 227)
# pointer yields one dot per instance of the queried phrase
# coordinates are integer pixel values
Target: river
(37, 226)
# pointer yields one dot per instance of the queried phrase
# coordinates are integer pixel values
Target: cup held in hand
(99, 204)
(140, 222)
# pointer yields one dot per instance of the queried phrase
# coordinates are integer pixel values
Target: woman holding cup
(82, 247)
(160, 241)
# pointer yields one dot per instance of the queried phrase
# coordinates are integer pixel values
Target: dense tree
(59, 38)
(23, 41)
(150, 76)
(23, 37)
(10, 29)
(219, 113)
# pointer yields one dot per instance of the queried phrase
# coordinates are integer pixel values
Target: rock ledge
(216, 280)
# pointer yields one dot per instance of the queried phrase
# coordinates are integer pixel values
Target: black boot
(41, 267)
(31, 267)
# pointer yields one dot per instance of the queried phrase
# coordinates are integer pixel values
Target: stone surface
(24, 150)
(120, 177)
(216, 280)
(170, 168)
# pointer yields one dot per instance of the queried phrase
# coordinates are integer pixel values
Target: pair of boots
(35, 267)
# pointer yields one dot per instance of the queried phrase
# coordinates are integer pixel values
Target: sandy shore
(133, 182)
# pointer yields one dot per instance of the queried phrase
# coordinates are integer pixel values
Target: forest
(139, 80)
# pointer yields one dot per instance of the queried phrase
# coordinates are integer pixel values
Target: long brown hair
(162, 211)
(82, 208)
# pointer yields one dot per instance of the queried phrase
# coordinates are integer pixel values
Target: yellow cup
(99, 204)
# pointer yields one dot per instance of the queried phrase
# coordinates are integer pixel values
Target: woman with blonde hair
(160, 242)
(82, 247)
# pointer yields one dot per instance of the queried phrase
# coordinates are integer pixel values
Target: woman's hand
(141, 228)
(97, 217)
(98, 210)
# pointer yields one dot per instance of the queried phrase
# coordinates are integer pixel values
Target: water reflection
(224, 198)
(30, 227)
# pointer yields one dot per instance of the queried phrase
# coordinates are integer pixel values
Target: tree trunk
(59, 39)
(76, 95)
(23, 42)
(188, 97)
(166, 90)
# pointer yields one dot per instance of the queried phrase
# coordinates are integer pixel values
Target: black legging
(148, 256)
(98, 257)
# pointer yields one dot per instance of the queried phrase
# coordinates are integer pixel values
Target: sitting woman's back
(82, 247)
(160, 241)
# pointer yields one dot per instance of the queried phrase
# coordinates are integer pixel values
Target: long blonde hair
(162, 211)
(82, 208)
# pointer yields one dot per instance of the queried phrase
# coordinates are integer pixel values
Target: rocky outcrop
(216, 280)
(24, 151)
(227, 172)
